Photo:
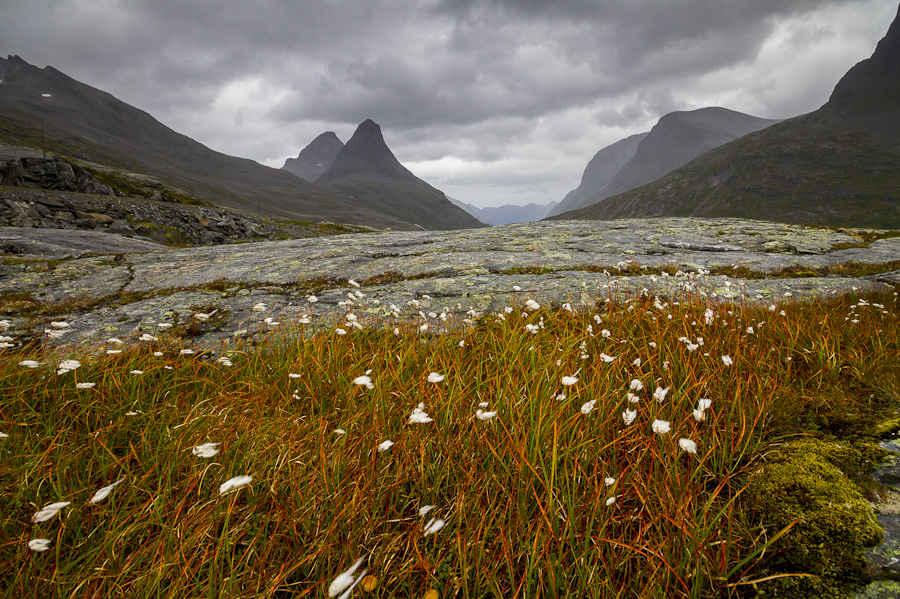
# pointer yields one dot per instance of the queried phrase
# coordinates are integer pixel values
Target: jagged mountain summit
(366, 170)
(315, 158)
(836, 166)
(88, 125)
(599, 172)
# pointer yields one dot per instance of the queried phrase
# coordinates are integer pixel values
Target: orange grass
(528, 508)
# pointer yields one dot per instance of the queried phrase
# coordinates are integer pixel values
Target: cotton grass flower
(48, 511)
(587, 407)
(345, 581)
(609, 481)
(687, 445)
(385, 445)
(85, 385)
(482, 415)
(29, 363)
(104, 492)
(60, 324)
(4, 436)
(661, 427)
(435, 377)
(137, 372)
(39, 544)
(433, 526)
(363, 381)
(727, 360)
(532, 305)
(339, 432)
(234, 483)
(704, 404)
(68, 366)
(636, 385)
(568, 381)
(660, 394)
(607, 358)
(419, 415)
(628, 416)
(424, 510)
(207, 450)
(147, 337)
(611, 501)
(260, 307)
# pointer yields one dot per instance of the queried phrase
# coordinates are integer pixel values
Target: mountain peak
(874, 83)
(365, 157)
(315, 158)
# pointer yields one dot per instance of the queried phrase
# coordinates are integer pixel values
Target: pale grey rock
(552, 262)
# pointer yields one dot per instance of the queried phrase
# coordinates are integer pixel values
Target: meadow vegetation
(617, 450)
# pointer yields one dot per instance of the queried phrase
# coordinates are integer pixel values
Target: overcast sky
(491, 101)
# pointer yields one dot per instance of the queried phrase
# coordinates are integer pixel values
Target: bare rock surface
(137, 284)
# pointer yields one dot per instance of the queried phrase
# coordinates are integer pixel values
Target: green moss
(803, 484)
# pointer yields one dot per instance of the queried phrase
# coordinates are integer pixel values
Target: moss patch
(804, 484)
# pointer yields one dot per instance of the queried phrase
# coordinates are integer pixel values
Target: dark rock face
(163, 222)
(874, 83)
(365, 157)
(315, 158)
(51, 173)
(368, 174)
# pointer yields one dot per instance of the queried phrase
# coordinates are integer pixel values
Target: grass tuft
(566, 491)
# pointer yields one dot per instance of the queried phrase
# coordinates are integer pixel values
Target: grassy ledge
(635, 451)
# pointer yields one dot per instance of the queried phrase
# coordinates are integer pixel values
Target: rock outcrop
(163, 222)
(51, 173)
(581, 263)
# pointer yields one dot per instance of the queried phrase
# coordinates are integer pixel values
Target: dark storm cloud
(495, 89)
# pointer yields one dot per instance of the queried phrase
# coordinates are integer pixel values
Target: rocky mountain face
(676, 139)
(315, 158)
(366, 171)
(85, 124)
(508, 213)
(599, 172)
(837, 166)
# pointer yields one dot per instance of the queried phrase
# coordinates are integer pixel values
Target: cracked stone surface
(459, 270)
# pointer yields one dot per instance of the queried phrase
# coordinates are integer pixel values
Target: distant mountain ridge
(676, 139)
(87, 124)
(315, 158)
(837, 166)
(599, 172)
(506, 214)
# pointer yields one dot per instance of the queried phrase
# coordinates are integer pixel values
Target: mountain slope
(839, 165)
(366, 169)
(315, 158)
(599, 172)
(87, 124)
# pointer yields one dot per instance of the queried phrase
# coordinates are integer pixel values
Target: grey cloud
(472, 79)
